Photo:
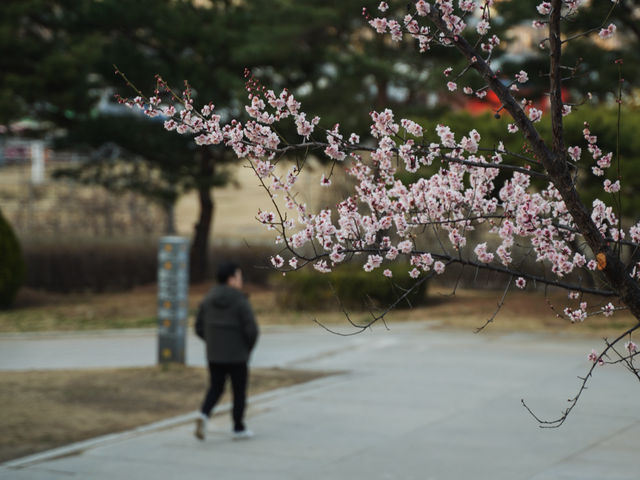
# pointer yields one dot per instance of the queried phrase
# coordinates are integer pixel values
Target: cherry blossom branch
(627, 359)
(510, 168)
(386, 217)
(554, 164)
(449, 259)
(555, 56)
(374, 317)
(317, 145)
(586, 33)
(498, 307)
(597, 360)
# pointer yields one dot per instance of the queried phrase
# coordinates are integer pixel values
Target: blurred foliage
(595, 72)
(350, 286)
(326, 53)
(12, 268)
(58, 55)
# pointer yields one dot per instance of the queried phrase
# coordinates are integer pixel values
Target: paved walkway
(413, 403)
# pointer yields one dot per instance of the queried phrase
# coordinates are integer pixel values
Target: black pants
(218, 373)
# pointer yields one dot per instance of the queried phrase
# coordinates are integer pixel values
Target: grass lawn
(46, 409)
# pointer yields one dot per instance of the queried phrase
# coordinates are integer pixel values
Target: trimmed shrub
(11, 264)
(79, 266)
(354, 288)
(83, 265)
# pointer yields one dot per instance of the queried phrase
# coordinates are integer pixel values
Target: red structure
(490, 103)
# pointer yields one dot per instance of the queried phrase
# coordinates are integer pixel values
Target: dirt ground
(46, 409)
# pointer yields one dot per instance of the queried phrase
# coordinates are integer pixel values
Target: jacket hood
(224, 296)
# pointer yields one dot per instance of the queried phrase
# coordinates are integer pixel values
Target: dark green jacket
(226, 323)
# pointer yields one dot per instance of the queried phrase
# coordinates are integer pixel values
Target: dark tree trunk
(170, 221)
(199, 248)
(382, 99)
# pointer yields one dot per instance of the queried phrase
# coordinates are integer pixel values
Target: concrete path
(413, 403)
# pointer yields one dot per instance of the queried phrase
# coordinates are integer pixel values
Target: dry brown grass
(522, 311)
(467, 309)
(43, 311)
(46, 409)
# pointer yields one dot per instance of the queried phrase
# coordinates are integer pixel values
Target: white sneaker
(243, 434)
(201, 428)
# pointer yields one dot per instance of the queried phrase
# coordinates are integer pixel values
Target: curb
(80, 447)
(51, 334)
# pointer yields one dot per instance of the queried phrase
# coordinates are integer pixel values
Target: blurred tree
(12, 268)
(58, 58)
(326, 51)
(45, 72)
(591, 73)
(160, 167)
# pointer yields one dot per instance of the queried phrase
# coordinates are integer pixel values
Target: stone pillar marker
(173, 289)
(37, 162)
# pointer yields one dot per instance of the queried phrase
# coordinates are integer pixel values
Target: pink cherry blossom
(544, 8)
(423, 8)
(534, 114)
(605, 161)
(277, 261)
(607, 32)
(380, 24)
(483, 27)
(608, 309)
(610, 187)
(574, 152)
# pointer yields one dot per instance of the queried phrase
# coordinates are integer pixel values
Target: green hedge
(80, 265)
(356, 289)
(11, 264)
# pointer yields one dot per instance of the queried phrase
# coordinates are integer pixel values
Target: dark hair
(226, 270)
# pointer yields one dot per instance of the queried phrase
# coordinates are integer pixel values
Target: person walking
(225, 321)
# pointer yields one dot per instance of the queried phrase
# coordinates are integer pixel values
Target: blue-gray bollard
(173, 290)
